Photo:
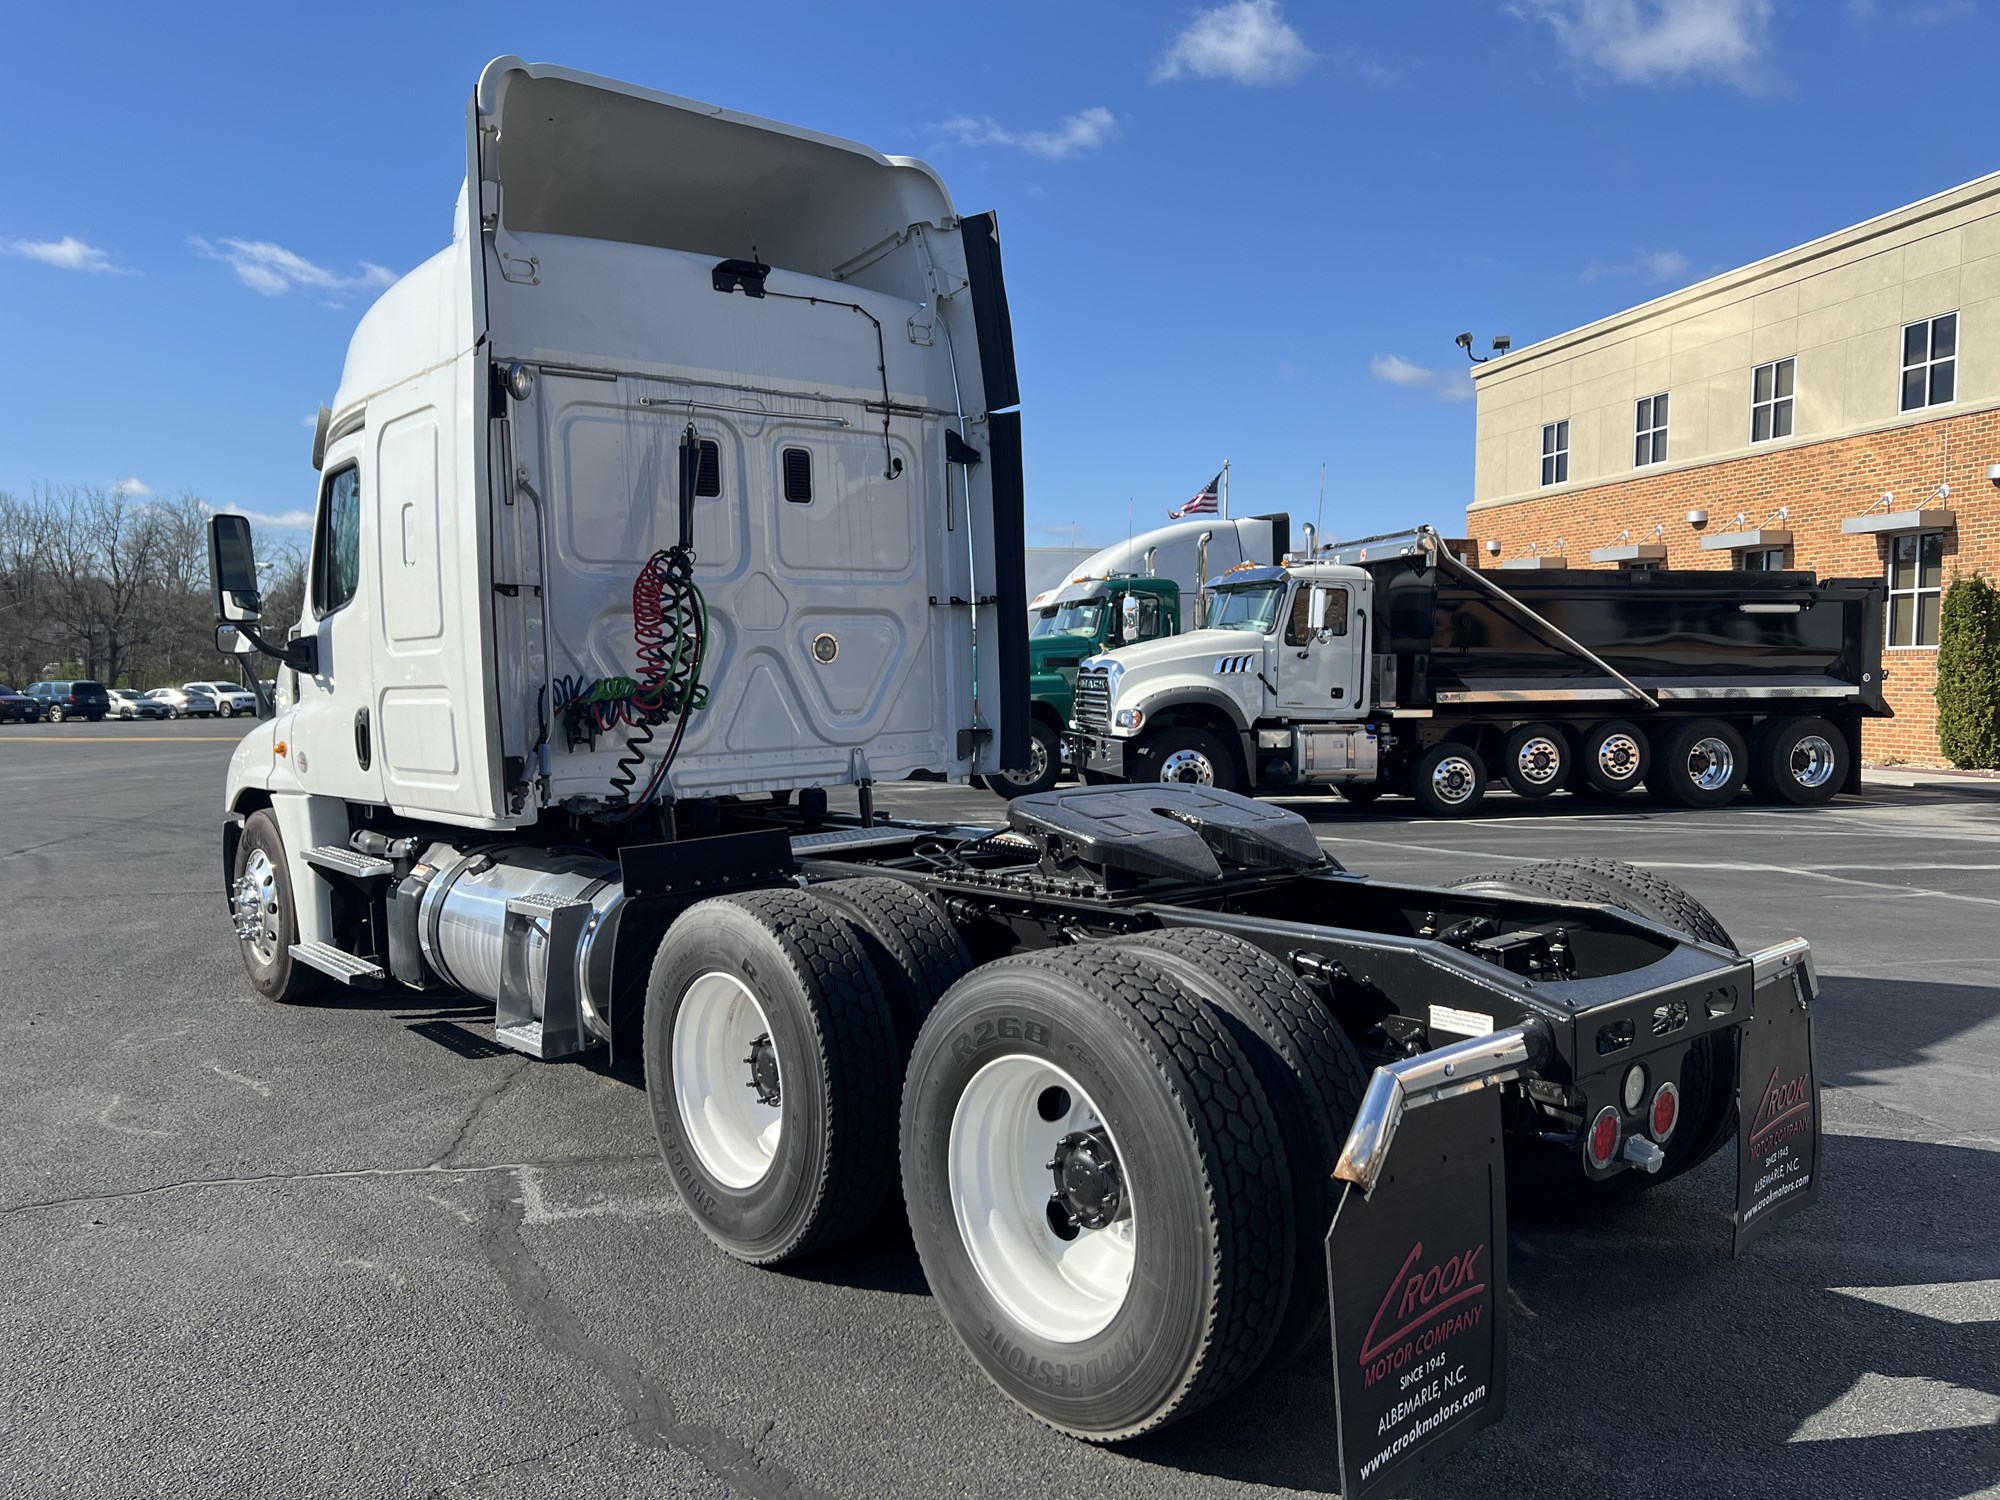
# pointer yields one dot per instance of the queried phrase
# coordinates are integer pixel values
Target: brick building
(1833, 408)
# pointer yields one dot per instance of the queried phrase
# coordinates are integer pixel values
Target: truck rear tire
(1044, 766)
(1185, 754)
(1708, 1074)
(1536, 760)
(1802, 761)
(1141, 1275)
(916, 953)
(1701, 764)
(772, 1071)
(266, 918)
(1310, 1073)
(1449, 780)
(1614, 757)
(1360, 793)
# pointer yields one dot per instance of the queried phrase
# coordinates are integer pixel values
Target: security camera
(1493, 548)
(1697, 519)
(1464, 341)
(1993, 475)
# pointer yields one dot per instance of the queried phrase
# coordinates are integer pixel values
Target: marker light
(520, 381)
(1666, 1112)
(1601, 1145)
(1635, 1088)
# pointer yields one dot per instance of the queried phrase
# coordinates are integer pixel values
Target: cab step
(344, 966)
(525, 1036)
(349, 862)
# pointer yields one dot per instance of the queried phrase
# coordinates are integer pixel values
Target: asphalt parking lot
(353, 1249)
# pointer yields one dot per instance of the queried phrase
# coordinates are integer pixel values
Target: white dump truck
(680, 488)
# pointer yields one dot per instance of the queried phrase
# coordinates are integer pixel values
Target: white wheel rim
(1452, 780)
(1189, 766)
(1065, 1290)
(1618, 757)
(1812, 761)
(725, 1119)
(1540, 760)
(1711, 762)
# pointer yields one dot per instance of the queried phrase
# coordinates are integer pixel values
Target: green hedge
(1968, 684)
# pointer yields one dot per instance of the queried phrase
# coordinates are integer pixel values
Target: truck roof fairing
(581, 155)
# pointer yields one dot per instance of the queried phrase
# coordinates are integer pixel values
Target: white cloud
(137, 488)
(1652, 266)
(1083, 131)
(1247, 42)
(273, 270)
(290, 520)
(66, 254)
(1652, 41)
(1446, 385)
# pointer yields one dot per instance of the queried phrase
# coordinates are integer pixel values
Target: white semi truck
(675, 492)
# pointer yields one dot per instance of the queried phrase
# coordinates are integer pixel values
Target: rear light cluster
(1602, 1142)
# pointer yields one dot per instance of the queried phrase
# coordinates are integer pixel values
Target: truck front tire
(266, 918)
(1183, 753)
(772, 1072)
(1142, 1272)
(1449, 780)
(1802, 761)
(1701, 764)
(1044, 768)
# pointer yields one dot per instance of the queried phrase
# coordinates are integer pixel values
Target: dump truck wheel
(1536, 760)
(1044, 767)
(1360, 793)
(1449, 780)
(1802, 761)
(1700, 764)
(1707, 1081)
(1613, 757)
(1311, 1075)
(1097, 1189)
(916, 953)
(772, 1070)
(265, 915)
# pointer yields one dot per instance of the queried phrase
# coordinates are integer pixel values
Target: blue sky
(1245, 231)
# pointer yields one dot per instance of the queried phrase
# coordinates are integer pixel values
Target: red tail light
(1601, 1145)
(1666, 1112)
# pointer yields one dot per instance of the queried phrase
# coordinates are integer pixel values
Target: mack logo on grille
(1093, 700)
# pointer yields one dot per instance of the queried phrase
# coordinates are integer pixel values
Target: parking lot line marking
(1946, 1301)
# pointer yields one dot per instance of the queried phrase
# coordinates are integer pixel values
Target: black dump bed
(1458, 637)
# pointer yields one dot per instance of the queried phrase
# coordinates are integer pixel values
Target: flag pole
(1225, 489)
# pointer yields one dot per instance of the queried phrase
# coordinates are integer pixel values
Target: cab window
(1149, 617)
(1298, 625)
(337, 548)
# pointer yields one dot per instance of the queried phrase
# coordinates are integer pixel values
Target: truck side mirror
(232, 567)
(1128, 618)
(1317, 610)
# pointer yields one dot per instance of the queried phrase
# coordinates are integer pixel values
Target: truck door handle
(364, 751)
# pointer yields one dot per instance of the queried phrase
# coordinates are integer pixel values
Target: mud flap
(1777, 1100)
(1417, 1280)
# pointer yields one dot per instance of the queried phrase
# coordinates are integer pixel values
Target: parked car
(129, 703)
(17, 706)
(71, 698)
(183, 704)
(230, 697)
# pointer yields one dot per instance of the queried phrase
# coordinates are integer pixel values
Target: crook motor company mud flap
(1777, 1094)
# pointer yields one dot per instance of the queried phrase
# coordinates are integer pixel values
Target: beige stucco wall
(1838, 305)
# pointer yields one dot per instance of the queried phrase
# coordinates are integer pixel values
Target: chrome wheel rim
(1453, 780)
(1038, 766)
(1189, 766)
(254, 907)
(1063, 1279)
(1812, 761)
(1711, 763)
(1618, 757)
(731, 1114)
(1540, 760)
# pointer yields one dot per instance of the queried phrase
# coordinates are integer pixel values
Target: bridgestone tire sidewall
(771, 1218)
(1104, 1387)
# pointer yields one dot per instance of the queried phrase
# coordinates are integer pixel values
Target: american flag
(1207, 503)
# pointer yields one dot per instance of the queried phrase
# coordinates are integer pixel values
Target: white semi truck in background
(677, 490)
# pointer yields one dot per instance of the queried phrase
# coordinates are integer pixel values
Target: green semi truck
(1082, 618)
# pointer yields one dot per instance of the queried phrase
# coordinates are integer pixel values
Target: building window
(1650, 446)
(1771, 401)
(1555, 453)
(1762, 559)
(1930, 362)
(1643, 565)
(1916, 585)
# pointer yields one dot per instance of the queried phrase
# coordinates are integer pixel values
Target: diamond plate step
(525, 1036)
(345, 967)
(348, 862)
